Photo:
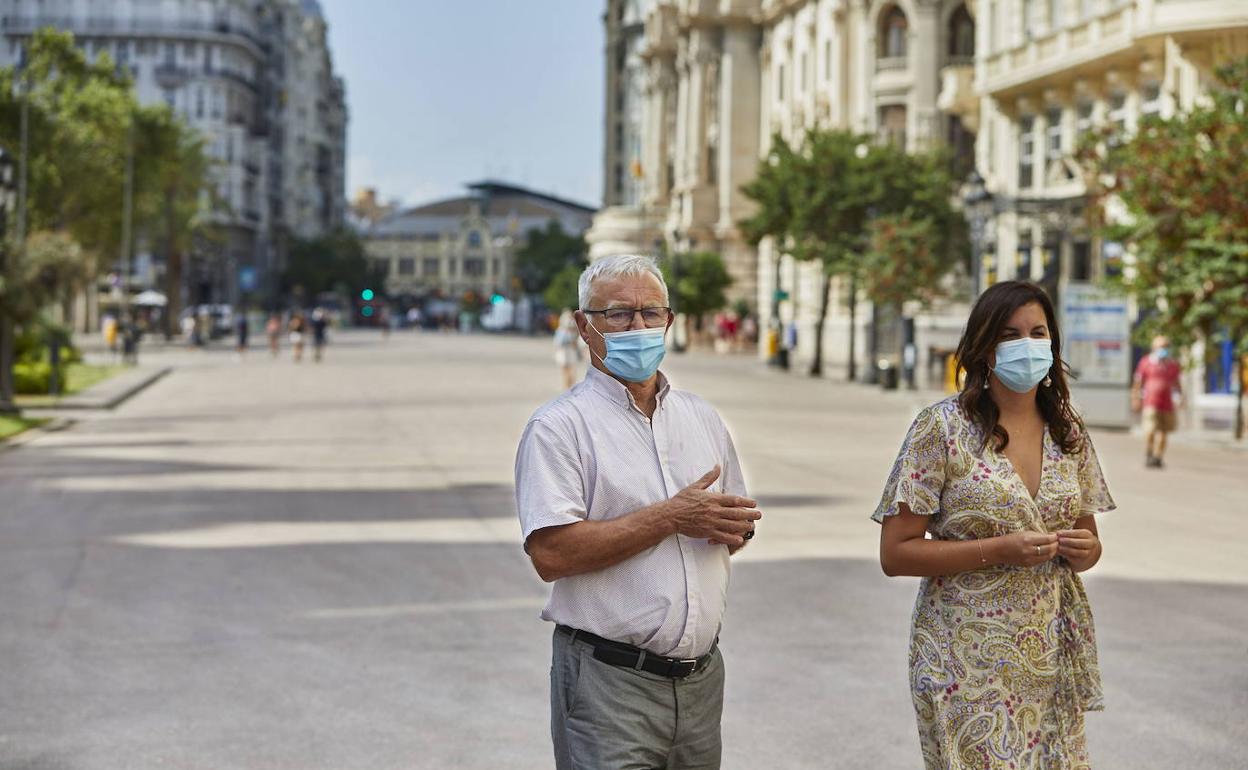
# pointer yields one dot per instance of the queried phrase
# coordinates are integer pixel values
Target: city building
(1046, 74)
(256, 78)
(449, 248)
(624, 225)
(366, 209)
(723, 77)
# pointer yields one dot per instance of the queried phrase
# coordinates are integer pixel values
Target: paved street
(259, 564)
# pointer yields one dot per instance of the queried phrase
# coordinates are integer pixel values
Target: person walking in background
(320, 326)
(631, 501)
(1157, 380)
(242, 328)
(567, 348)
(190, 330)
(1004, 479)
(298, 328)
(273, 328)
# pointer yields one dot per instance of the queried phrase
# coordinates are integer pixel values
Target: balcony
(957, 94)
(172, 75)
(103, 26)
(890, 63)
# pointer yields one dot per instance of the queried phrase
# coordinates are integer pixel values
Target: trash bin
(889, 374)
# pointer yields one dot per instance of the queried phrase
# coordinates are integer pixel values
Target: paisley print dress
(1002, 659)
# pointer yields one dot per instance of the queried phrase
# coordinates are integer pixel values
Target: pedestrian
(242, 328)
(1157, 380)
(640, 575)
(190, 330)
(297, 327)
(992, 501)
(273, 328)
(129, 341)
(319, 326)
(567, 347)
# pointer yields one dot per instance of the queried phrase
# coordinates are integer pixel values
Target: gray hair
(614, 266)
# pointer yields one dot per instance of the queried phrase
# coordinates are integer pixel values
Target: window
(893, 31)
(801, 74)
(827, 60)
(199, 102)
(474, 266)
(1053, 133)
(407, 266)
(1117, 114)
(780, 82)
(497, 266)
(474, 239)
(1150, 99)
(1023, 259)
(1031, 19)
(1083, 117)
(961, 44)
(1055, 14)
(893, 125)
(1026, 150)
(1081, 261)
(430, 266)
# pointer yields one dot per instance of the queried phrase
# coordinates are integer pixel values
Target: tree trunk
(173, 271)
(816, 364)
(853, 327)
(1239, 396)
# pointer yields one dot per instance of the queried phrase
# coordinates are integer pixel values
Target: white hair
(615, 266)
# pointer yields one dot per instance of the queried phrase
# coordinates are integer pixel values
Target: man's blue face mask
(634, 355)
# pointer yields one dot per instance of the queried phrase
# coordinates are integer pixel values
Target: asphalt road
(257, 564)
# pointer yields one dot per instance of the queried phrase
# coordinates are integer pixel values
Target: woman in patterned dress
(1004, 480)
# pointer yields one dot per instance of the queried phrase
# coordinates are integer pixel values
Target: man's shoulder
(562, 409)
(692, 403)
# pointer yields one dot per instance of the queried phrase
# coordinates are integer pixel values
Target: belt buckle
(692, 663)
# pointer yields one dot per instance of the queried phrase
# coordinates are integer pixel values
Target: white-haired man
(631, 500)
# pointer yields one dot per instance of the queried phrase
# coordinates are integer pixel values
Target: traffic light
(497, 299)
(367, 295)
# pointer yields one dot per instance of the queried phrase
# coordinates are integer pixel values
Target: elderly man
(631, 501)
(1157, 380)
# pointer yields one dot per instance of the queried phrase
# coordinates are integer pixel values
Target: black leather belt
(628, 656)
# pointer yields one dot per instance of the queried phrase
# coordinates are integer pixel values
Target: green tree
(696, 282)
(823, 200)
(1182, 182)
(333, 261)
(561, 292)
(546, 254)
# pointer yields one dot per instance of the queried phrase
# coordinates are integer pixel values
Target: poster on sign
(1096, 327)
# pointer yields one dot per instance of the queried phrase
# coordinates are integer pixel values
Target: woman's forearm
(921, 557)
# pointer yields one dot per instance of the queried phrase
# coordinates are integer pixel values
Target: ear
(582, 324)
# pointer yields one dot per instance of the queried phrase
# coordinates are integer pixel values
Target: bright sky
(444, 92)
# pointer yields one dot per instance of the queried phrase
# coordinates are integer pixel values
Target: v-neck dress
(1002, 659)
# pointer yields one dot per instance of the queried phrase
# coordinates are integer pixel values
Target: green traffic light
(366, 311)
(367, 295)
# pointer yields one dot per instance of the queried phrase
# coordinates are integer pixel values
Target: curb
(29, 435)
(117, 399)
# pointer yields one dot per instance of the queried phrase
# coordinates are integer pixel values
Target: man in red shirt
(1156, 381)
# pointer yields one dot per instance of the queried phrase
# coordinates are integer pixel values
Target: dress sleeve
(918, 475)
(1094, 494)
(550, 489)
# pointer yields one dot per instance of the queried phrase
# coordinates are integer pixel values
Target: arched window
(893, 30)
(961, 34)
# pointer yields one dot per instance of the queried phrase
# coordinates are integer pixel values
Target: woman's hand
(1026, 549)
(1080, 547)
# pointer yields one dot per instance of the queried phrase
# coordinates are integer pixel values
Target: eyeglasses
(622, 317)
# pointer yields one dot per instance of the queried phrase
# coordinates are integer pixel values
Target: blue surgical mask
(1022, 364)
(1162, 353)
(634, 355)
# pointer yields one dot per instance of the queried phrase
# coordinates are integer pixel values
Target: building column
(740, 84)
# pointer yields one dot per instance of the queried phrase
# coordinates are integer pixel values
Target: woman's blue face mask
(1022, 364)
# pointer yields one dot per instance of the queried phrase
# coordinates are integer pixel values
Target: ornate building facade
(256, 78)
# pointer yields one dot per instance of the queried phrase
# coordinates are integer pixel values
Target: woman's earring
(1048, 381)
(987, 377)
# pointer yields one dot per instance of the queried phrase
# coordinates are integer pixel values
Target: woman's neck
(1012, 405)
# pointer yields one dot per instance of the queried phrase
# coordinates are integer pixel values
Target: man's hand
(724, 519)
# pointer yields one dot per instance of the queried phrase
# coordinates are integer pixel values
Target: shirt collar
(615, 391)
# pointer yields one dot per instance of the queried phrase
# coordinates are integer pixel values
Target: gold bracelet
(982, 560)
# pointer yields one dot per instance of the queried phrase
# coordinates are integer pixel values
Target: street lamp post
(977, 202)
(6, 323)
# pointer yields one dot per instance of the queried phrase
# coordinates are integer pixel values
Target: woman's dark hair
(983, 332)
